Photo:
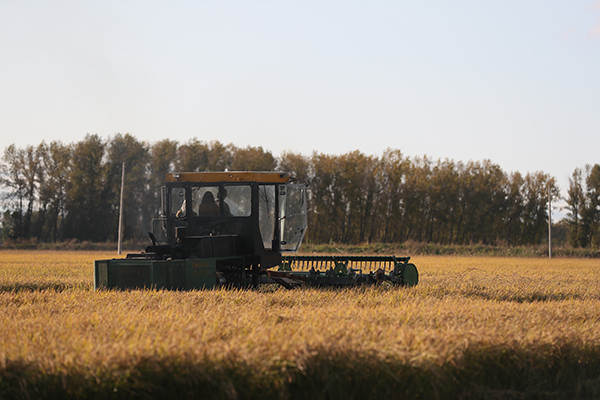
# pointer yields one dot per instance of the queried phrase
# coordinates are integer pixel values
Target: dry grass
(39, 270)
(474, 327)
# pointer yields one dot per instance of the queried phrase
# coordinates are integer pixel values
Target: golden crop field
(474, 327)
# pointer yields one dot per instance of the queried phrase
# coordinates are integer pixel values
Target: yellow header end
(245, 176)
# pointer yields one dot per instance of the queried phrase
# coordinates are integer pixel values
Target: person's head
(208, 198)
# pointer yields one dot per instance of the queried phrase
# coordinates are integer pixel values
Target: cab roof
(237, 176)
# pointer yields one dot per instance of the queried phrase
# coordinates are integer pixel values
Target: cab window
(178, 204)
(266, 214)
(236, 200)
(204, 201)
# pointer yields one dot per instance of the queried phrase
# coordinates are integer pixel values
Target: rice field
(474, 327)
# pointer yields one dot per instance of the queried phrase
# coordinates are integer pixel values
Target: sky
(515, 81)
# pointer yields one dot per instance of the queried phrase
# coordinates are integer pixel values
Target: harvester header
(232, 229)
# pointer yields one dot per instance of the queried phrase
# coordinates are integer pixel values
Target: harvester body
(230, 229)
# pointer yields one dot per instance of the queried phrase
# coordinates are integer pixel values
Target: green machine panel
(200, 273)
(187, 274)
(123, 274)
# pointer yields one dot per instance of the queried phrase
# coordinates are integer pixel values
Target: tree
(162, 161)
(393, 168)
(252, 159)
(31, 166)
(535, 193)
(192, 156)
(220, 157)
(20, 169)
(88, 213)
(136, 222)
(575, 204)
(444, 201)
(13, 178)
(515, 209)
(199, 156)
(590, 211)
(325, 212)
(593, 189)
(416, 200)
(297, 165)
(58, 170)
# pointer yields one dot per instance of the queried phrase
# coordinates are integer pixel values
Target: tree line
(583, 205)
(57, 191)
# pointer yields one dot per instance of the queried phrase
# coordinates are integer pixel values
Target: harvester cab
(230, 229)
(220, 214)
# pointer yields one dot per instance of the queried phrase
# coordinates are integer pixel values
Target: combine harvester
(230, 229)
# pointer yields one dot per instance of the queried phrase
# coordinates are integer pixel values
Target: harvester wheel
(410, 275)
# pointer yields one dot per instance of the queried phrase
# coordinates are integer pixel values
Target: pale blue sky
(516, 82)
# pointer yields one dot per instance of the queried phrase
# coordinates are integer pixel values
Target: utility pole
(121, 210)
(549, 222)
